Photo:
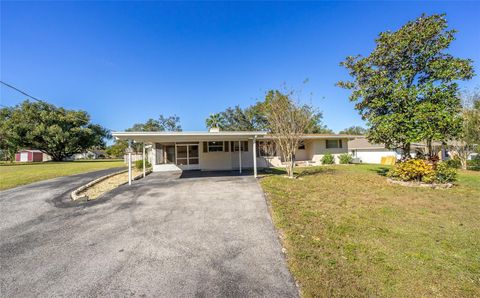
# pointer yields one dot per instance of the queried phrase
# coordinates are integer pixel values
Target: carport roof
(194, 136)
(178, 136)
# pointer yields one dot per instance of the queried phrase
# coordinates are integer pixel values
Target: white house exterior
(227, 150)
(366, 152)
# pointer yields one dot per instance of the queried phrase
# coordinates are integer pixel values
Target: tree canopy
(288, 121)
(254, 118)
(354, 130)
(406, 88)
(43, 126)
(215, 120)
(170, 123)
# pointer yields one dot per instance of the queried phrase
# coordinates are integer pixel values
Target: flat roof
(169, 136)
(179, 136)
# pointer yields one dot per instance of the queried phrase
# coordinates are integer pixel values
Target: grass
(16, 174)
(349, 233)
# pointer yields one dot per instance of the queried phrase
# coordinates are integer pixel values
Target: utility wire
(18, 90)
(30, 96)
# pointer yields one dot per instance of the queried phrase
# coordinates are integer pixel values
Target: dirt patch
(420, 184)
(108, 184)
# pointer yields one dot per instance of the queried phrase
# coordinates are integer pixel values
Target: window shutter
(205, 148)
(226, 146)
(340, 144)
(245, 146)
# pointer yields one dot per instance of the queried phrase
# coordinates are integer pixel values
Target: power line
(18, 90)
(32, 97)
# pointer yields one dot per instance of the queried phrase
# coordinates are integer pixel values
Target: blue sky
(124, 62)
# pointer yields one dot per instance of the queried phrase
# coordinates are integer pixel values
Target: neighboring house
(365, 152)
(89, 154)
(229, 150)
(31, 155)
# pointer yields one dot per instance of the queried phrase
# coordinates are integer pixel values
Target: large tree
(55, 131)
(288, 121)
(170, 123)
(254, 118)
(163, 123)
(406, 88)
(215, 121)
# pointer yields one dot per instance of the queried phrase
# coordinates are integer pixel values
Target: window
(266, 148)
(244, 144)
(216, 146)
(301, 145)
(331, 144)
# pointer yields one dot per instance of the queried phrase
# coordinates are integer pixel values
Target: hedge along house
(229, 150)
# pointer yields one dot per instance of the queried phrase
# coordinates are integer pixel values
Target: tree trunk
(463, 160)
(406, 151)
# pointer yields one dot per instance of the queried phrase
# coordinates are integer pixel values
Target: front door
(187, 157)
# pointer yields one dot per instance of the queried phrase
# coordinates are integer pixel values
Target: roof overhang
(187, 136)
(320, 137)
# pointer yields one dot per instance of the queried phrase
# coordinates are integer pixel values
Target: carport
(205, 151)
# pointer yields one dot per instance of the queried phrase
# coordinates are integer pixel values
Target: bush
(345, 158)
(421, 171)
(474, 164)
(454, 163)
(444, 173)
(412, 170)
(139, 164)
(328, 159)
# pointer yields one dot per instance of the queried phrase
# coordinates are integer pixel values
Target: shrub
(454, 163)
(139, 164)
(444, 173)
(420, 170)
(474, 164)
(345, 158)
(412, 170)
(328, 159)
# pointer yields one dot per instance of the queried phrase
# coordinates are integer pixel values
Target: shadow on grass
(298, 172)
(382, 171)
(51, 162)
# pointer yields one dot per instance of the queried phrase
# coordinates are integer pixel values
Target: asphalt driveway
(201, 236)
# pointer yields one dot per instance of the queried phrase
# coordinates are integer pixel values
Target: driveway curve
(168, 237)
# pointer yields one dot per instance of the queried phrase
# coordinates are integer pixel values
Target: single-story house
(31, 155)
(89, 154)
(365, 152)
(229, 150)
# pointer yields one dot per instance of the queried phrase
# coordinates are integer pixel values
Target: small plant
(345, 158)
(328, 159)
(139, 164)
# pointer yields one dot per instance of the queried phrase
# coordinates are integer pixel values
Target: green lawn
(12, 175)
(349, 233)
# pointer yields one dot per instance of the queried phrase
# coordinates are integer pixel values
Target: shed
(29, 156)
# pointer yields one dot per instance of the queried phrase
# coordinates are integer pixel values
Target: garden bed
(420, 184)
(98, 187)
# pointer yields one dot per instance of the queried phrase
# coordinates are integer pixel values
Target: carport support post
(129, 163)
(255, 156)
(239, 155)
(143, 159)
